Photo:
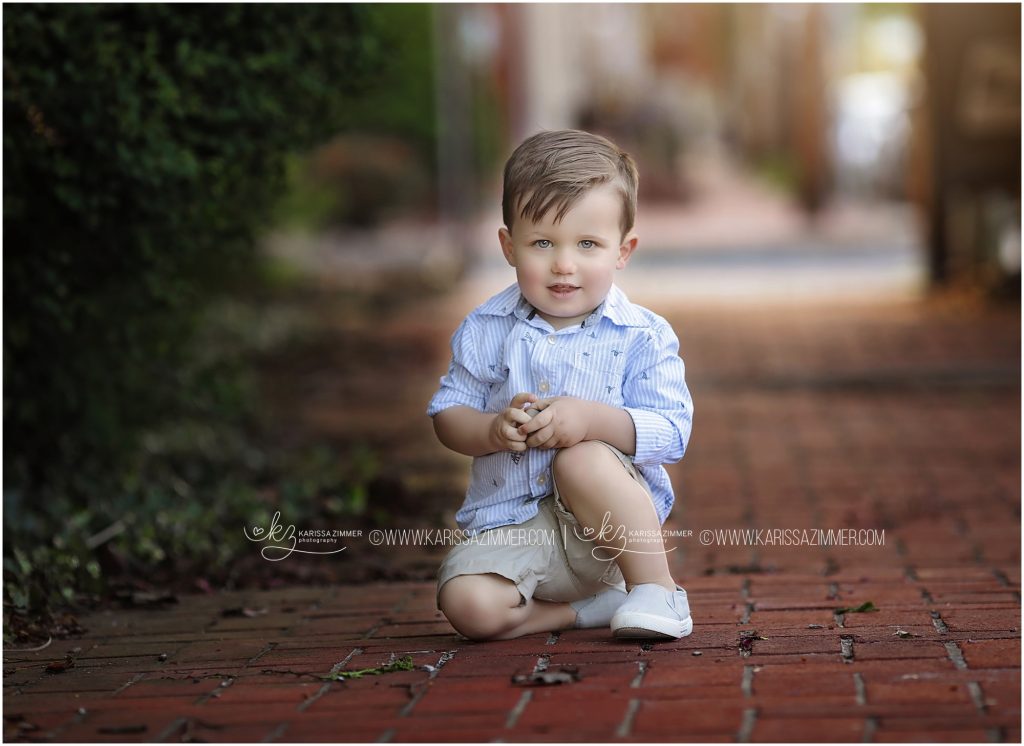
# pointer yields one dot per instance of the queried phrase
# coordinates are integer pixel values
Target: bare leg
(486, 607)
(596, 488)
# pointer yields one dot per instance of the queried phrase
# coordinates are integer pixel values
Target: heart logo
(257, 530)
(588, 531)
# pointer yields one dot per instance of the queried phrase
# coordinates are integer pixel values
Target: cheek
(599, 271)
(531, 271)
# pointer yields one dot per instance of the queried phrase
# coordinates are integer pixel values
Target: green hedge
(143, 148)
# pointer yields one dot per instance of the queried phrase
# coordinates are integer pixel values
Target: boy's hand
(505, 434)
(562, 422)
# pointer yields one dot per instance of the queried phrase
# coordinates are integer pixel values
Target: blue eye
(542, 243)
(586, 244)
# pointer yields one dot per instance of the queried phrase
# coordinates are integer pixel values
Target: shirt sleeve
(461, 386)
(657, 398)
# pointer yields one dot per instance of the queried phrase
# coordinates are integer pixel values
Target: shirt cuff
(653, 433)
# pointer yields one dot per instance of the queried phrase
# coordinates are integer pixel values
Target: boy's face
(565, 269)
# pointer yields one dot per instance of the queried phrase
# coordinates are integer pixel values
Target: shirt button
(551, 339)
(542, 479)
(544, 387)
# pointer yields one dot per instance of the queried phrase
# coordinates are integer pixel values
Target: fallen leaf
(60, 666)
(746, 641)
(864, 608)
(402, 664)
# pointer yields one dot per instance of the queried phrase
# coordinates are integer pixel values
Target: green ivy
(144, 149)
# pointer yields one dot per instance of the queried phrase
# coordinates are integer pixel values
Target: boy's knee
(576, 464)
(473, 609)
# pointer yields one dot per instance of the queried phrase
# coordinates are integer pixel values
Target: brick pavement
(903, 419)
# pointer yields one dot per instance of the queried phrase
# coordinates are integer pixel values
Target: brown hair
(555, 169)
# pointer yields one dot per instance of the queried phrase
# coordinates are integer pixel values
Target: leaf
(864, 608)
(746, 641)
(402, 664)
(60, 666)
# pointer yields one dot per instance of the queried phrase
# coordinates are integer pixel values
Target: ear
(626, 250)
(505, 239)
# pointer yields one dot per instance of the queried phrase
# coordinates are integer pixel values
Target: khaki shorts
(544, 556)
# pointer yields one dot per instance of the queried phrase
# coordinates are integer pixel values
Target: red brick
(685, 693)
(93, 725)
(924, 734)
(79, 681)
(660, 674)
(563, 709)
(446, 733)
(230, 713)
(328, 727)
(872, 650)
(778, 682)
(915, 691)
(992, 653)
(294, 692)
(393, 631)
(240, 733)
(824, 730)
(226, 651)
(797, 645)
(995, 619)
(791, 620)
(795, 707)
(494, 720)
(681, 720)
(436, 702)
(459, 685)
(17, 722)
(503, 667)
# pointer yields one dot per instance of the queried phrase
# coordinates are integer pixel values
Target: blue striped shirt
(622, 355)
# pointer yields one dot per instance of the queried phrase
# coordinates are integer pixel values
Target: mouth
(563, 289)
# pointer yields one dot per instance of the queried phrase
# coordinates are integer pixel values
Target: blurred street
(898, 417)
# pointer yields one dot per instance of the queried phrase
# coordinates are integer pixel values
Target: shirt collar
(616, 308)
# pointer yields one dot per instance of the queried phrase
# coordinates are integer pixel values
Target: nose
(562, 263)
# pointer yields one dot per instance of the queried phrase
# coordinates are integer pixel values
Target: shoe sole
(636, 624)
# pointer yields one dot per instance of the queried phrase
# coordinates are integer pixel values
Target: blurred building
(853, 101)
(971, 142)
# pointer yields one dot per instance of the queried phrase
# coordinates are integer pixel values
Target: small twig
(32, 650)
(115, 528)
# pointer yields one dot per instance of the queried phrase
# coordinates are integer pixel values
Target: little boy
(569, 398)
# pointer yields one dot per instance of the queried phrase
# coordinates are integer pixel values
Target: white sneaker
(597, 611)
(652, 612)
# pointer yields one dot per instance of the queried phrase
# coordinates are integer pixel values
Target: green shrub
(144, 149)
(144, 146)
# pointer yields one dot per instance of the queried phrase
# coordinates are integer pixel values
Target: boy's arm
(613, 425)
(475, 433)
(465, 430)
(658, 400)
(457, 406)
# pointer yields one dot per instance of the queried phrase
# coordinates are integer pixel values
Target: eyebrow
(581, 237)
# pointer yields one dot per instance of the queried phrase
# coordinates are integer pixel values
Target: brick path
(903, 419)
